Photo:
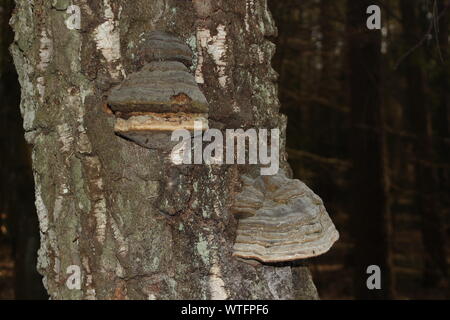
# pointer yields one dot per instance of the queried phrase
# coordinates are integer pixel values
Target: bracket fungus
(161, 97)
(162, 46)
(280, 220)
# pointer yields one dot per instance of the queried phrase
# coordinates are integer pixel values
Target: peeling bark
(97, 194)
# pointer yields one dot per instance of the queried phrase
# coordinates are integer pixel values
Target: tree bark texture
(16, 185)
(97, 194)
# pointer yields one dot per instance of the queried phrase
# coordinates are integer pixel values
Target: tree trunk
(16, 185)
(97, 194)
(370, 213)
(420, 122)
(443, 129)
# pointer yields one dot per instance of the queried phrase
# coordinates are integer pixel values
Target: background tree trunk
(97, 194)
(370, 213)
(420, 122)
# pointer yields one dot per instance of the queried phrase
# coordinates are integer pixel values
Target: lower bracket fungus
(281, 220)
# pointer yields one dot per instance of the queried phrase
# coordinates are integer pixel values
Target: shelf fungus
(280, 220)
(163, 46)
(153, 102)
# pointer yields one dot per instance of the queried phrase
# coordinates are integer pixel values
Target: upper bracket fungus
(281, 220)
(162, 46)
(161, 97)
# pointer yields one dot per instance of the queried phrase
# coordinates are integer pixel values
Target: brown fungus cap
(163, 46)
(281, 220)
(164, 87)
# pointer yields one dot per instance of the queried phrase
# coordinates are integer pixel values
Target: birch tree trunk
(97, 194)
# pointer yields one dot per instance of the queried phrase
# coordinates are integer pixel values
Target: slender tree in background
(97, 194)
(443, 131)
(370, 213)
(418, 109)
(444, 66)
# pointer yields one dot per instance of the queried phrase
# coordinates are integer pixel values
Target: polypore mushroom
(162, 46)
(160, 98)
(280, 219)
(165, 86)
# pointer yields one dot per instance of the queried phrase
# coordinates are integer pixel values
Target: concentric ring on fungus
(281, 220)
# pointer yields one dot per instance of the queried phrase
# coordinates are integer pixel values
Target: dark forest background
(368, 131)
